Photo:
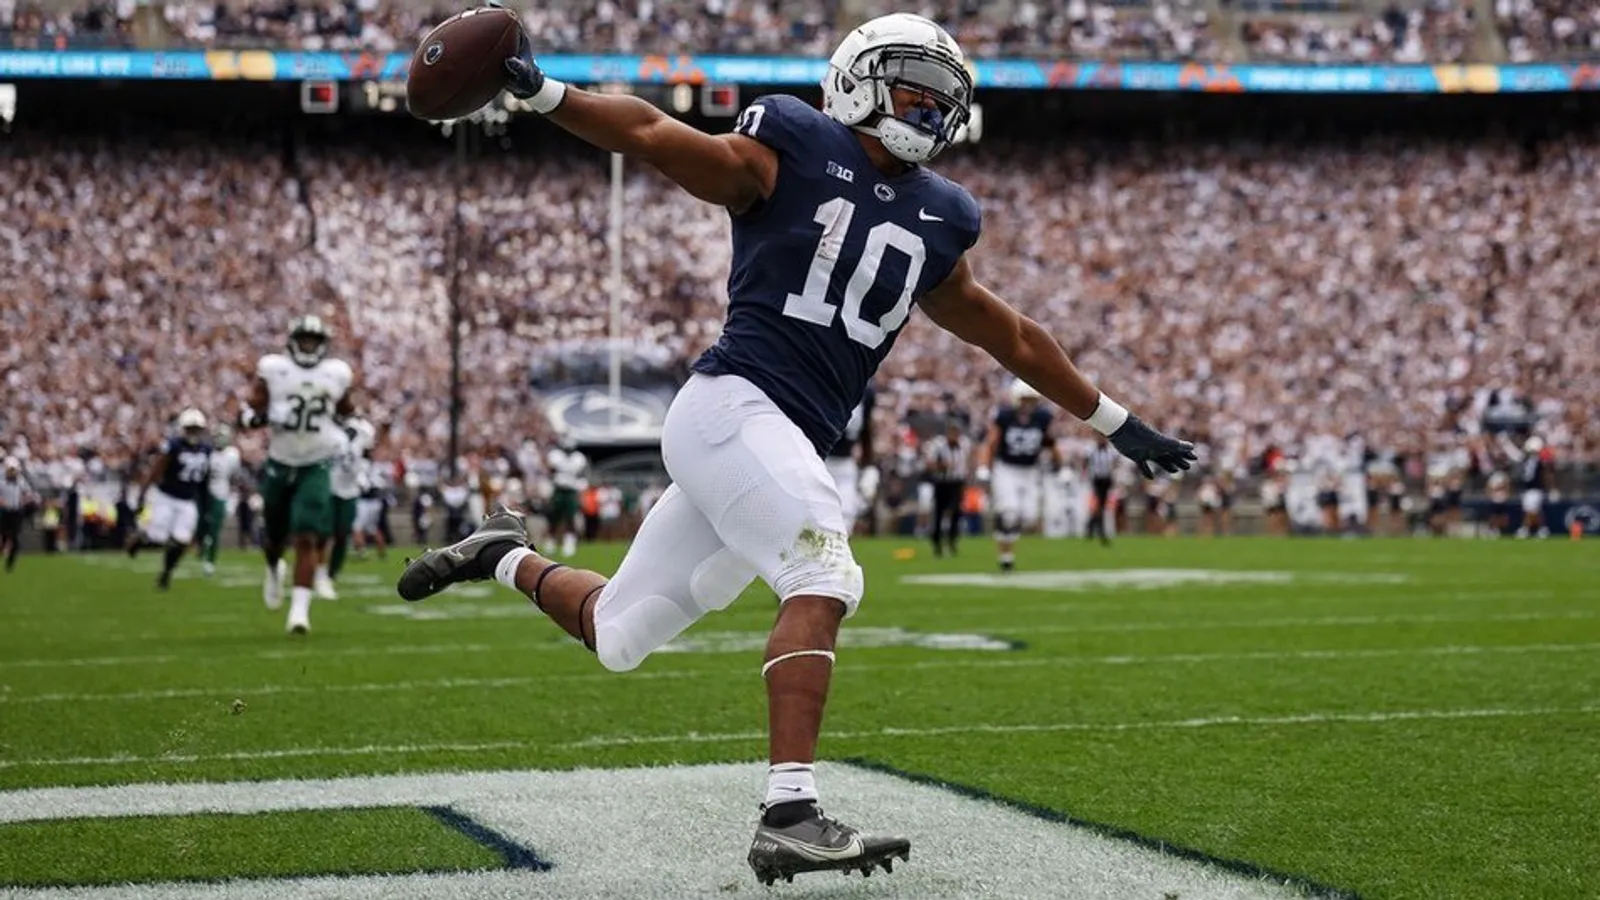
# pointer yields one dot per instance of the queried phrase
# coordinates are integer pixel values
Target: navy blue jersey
(188, 467)
(856, 426)
(1021, 439)
(1531, 472)
(825, 271)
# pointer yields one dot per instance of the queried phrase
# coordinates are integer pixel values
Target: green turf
(142, 849)
(1426, 732)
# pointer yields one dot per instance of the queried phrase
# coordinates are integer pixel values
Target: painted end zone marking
(682, 832)
(515, 855)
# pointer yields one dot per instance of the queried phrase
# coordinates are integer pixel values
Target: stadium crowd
(1260, 298)
(1421, 31)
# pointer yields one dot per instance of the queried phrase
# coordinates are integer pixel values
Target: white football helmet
(191, 418)
(1534, 444)
(1021, 390)
(899, 50)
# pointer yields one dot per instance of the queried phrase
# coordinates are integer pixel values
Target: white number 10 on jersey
(811, 304)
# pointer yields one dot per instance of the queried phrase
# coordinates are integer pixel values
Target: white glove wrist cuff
(1108, 416)
(549, 96)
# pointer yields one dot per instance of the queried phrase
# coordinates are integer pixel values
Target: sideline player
(1019, 437)
(838, 230)
(569, 478)
(300, 396)
(225, 465)
(179, 473)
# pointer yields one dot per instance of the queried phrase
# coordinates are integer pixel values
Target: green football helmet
(308, 340)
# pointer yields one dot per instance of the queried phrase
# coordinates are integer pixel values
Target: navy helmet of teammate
(1018, 439)
(174, 486)
(838, 232)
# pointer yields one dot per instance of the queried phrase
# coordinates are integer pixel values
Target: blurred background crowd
(1401, 298)
(1318, 31)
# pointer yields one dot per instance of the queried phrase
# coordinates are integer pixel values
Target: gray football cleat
(436, 570)
(821, 844)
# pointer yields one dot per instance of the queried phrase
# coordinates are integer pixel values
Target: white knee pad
(822, 565)
(629, 628)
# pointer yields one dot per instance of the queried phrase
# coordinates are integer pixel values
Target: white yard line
(224, 694)
(1044, 728)
(693, 737)
(307, 652)
(991, 628)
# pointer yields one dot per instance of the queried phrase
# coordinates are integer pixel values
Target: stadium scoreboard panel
(388, 97)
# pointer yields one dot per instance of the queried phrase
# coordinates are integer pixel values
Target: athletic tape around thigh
(767, 667)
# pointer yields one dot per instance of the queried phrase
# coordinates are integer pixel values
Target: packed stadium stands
(1324, 31)
(1249, 295)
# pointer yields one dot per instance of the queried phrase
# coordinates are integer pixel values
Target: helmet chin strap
(897, 144)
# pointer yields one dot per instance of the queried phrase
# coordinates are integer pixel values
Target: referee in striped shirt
(949, 461)
(15, 496)
(1102, 469)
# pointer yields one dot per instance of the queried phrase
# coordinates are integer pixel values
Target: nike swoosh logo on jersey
(926, 216)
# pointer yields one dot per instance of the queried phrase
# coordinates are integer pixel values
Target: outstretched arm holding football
(728, 170)
(972, 312)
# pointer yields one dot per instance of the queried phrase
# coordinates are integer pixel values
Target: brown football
(460, 66)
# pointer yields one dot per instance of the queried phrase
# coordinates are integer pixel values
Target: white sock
(506, 571)
(322, 573)
(300, 604)
(788, 782)
(569, 545)
(1007, 556)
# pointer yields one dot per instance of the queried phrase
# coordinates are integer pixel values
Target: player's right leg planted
(773, 504)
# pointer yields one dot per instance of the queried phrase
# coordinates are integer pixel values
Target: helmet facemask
(923, 131)
(308, 342)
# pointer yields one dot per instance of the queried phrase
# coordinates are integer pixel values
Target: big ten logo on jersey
(841, 173)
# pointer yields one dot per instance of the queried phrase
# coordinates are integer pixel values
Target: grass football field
(1380, 718)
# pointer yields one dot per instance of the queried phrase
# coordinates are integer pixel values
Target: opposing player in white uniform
(347, 480)
(225, 465)
(569, 477)
(368, 526)
(838, 231)
(1018, 440)
(302, 396)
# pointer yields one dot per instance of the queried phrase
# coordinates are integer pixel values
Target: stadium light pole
(457, 263)
(614, 241)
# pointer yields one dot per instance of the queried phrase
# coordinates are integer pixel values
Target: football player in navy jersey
(1019, 438)
(179, 476)
(839, 230)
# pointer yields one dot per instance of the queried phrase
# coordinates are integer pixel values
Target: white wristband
(1108, 416)
(549, 96)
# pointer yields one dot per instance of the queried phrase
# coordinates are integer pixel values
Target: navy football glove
(1145, 445)
(526, 76)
